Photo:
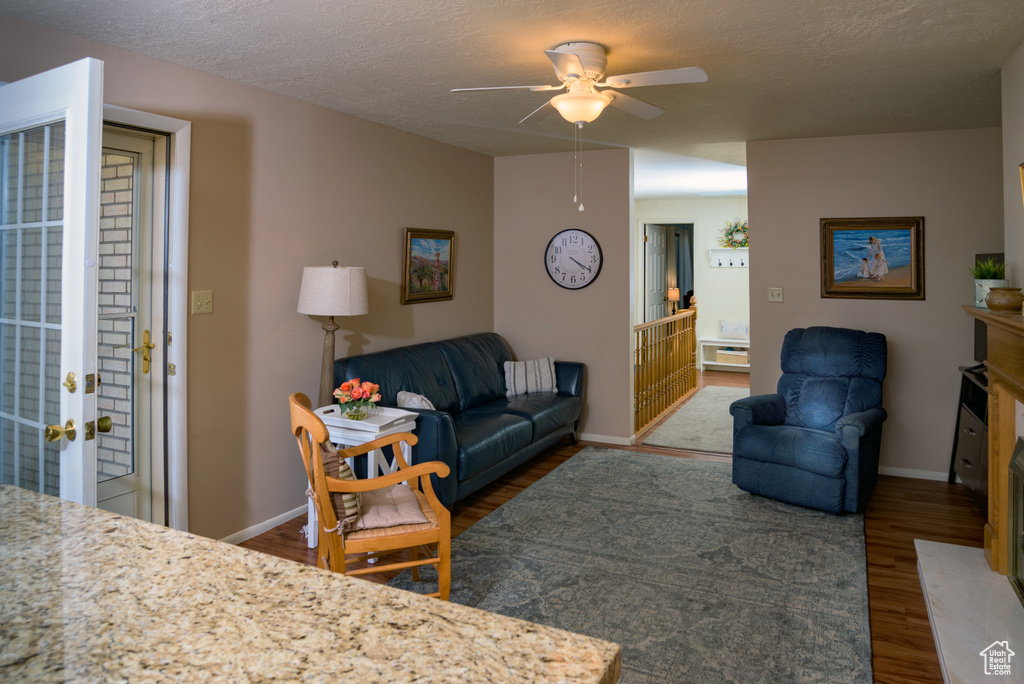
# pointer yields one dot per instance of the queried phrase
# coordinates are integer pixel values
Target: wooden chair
(338, 549)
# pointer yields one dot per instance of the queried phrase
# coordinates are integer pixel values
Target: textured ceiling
(776, 68)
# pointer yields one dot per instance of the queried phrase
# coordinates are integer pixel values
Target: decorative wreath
(734, 234)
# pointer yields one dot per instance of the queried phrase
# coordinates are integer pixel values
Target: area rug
(697, 580)
(701, 424)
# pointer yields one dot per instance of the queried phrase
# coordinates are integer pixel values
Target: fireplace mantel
(1005, 371)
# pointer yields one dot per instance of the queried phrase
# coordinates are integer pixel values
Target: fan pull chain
(578, 165)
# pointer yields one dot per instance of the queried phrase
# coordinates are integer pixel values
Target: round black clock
(573, 259)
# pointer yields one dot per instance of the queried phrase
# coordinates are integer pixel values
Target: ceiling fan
(580, 66)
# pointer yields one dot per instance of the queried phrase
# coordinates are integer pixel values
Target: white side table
(376, 462)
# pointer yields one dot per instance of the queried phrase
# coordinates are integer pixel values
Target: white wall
(722, 293)
(1013, 156)
(953, 179)
(532, 202)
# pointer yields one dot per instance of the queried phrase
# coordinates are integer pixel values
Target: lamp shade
(580, 107)
(673, 294)
(333, 291)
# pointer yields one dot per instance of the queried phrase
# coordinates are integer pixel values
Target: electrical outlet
(202, 301)
(774, 294)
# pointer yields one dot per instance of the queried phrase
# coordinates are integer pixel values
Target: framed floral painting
(428, 265)
(872, 258)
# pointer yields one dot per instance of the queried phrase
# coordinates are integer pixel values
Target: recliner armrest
(851, 428)
(761, 409)
(569, 377)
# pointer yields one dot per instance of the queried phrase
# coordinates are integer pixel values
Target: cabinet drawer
(972, 456)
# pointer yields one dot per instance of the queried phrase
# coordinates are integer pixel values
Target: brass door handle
(55, 432)
(146, 346)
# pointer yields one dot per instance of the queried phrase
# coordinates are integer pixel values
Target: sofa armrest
(761, 409)
(569, 377)
(849, 429)
(436, 433)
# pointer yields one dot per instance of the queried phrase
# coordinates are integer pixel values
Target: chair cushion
(476, 364)
(486, 438)
(379, 532)
(810, 450)
(529, 377)
(347, 505)
(828, 373)
(389, 507)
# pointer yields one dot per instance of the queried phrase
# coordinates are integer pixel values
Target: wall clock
(573, 259)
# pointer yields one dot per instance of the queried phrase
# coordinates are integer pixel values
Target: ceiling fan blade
(633, 105)
(567, 64)
(540, 114)
(535, 88)
(650, 78)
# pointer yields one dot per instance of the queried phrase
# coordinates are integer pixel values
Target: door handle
(55, 432)
(146, 346)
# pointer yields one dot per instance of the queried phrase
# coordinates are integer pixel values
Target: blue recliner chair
(816, 442)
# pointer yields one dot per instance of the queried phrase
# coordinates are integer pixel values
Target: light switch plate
(202, 301)
(774, 294)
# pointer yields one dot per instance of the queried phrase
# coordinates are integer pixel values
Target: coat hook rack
(729, 258)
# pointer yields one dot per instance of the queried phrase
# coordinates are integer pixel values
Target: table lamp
(331, 291)
(673, 296)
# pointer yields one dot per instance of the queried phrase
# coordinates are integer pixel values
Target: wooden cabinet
(970, 444)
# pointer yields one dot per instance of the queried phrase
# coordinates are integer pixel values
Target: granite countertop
(87, 595)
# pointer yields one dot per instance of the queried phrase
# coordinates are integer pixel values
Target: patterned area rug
(701, 424)
(696, 579)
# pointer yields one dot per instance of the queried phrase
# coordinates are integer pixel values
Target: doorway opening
(668, 263)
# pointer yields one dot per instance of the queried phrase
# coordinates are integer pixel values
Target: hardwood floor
(900, 510)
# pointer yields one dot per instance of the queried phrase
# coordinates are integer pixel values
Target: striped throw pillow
(347, 505)
(529, 377)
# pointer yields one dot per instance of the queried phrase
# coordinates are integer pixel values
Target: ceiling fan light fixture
(580, 107)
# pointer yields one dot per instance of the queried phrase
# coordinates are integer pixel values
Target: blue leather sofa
(476, 430)
(815, 443)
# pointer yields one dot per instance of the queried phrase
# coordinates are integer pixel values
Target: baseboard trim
(914, 474)
(620, 441)
(250, 532)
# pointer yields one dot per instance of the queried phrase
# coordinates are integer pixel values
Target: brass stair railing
(664, 366)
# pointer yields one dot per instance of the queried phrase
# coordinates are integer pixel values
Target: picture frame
(851, 267)
(428, 265)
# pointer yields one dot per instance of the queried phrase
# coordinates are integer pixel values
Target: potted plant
(987, 273)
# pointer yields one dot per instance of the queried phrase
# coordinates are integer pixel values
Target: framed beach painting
(872, 258)
(428, 265)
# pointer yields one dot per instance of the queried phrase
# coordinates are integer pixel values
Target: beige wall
(532, 202)
(722, 293)
(278, 184)
(1013, 157)
(952, 178)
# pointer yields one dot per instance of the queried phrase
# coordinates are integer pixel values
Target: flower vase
(359, 413)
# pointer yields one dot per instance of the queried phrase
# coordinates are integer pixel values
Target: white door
(50, 139)
(654, 272)
(130, 453)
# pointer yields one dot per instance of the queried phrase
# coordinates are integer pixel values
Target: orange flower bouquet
(357, 399)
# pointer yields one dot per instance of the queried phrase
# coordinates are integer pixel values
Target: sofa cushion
(413, 400)
(476, 364)
(547, 412)
(420, 368)
(486, 438)
(810, 450)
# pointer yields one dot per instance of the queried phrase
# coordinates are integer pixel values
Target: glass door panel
(31, 235)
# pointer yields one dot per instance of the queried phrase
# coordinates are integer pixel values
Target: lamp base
(327, 364)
